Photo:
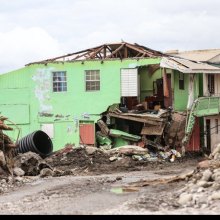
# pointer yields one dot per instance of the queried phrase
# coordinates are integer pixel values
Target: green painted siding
(181, 96)
(30, 89)
(146, 81)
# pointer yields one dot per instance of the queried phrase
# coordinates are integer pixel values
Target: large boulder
(31, 163)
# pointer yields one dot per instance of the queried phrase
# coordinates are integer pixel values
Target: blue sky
(32, 30)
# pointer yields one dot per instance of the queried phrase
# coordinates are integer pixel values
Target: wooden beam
(100, 55)
(105, 51)
(92, 56)
(135, 48)
(125, 52)
(110, 50)
(144, 54)
(82, 55)
(121, 56)
(116, 51)
(138, 55)
(142, 120)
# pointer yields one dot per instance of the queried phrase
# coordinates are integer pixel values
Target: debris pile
(6, 149)
(72, 160)
(175, 130)
(115, 140)
(85, 159)
(203, 188)
(30, 164)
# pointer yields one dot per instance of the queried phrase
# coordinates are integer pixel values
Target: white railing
(208, 94)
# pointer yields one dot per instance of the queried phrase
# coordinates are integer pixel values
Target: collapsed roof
(210, 56)
(187, 66)
(121, 50)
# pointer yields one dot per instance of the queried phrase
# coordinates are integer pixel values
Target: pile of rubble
(73, 161)
(85, 159)
(203, 188)
(16, 170)
(6, 149)
(10, 177)
(175, 130)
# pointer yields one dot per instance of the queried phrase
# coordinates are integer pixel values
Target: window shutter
(129, 83)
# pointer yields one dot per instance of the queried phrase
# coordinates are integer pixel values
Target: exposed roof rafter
(121, 50)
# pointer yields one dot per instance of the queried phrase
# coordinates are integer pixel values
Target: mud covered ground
(88, 180)
(84, 161)
(100, 194)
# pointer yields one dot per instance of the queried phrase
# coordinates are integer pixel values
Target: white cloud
(21, 46)
(65, 26)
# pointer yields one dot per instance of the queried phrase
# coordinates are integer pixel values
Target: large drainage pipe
(38, 142)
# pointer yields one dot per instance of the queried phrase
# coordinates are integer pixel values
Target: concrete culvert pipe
(38, 142)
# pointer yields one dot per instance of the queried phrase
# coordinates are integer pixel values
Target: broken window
(181, 81)
(59, 82)
(92, 80)
(211, 83)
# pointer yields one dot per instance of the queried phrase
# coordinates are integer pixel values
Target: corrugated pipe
(38, 142)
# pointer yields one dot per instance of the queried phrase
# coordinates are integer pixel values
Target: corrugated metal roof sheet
(187, 66)
(197, 55)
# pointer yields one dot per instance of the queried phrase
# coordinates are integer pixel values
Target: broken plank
(146, 116)
(153, 130)
(2, 118)
(104, 128)
(142, 120)
(144, 183)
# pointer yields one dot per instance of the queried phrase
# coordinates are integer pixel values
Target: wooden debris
(4, 126)
(6, 146)
(2, 118)
(104, 128)
(129, 150)
(145, 183)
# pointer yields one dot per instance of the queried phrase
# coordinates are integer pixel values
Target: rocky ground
(95, 194)
(82, 161)
(88, 180)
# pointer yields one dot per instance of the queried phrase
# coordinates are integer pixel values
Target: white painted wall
(215, 137)
(217, 84)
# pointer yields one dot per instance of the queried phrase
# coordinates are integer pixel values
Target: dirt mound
(72, 160)
(77, 157)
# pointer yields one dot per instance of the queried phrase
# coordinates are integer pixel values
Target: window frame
(211, 84)
(61, 84)
(181, 81)
(97, 79)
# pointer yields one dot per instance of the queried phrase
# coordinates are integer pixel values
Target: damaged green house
(207, 106)
(201, 99)
(66, 96)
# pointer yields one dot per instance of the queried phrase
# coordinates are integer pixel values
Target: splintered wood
(5, 141)
(4, 126)
(6, 145)
(144, 183)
